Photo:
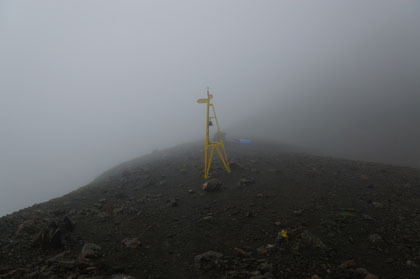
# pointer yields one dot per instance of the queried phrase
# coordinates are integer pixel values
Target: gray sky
(85, 85)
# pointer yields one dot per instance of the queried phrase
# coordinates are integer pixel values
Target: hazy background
(85, 85)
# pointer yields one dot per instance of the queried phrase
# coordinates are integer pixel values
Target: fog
(85, 85)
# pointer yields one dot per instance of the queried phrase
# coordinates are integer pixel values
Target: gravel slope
(151, 219)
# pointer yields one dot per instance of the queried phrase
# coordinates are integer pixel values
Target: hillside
(150, 218)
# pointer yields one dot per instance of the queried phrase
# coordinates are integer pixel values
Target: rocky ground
(277, 215)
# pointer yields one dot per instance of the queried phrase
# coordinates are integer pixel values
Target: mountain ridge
(151, 219)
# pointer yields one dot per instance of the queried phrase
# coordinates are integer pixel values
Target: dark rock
(90, 250)
(212, 185)
(131, 242)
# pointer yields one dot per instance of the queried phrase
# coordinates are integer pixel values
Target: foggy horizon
(85, 86)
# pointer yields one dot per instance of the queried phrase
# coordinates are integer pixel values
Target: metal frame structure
(210, 146)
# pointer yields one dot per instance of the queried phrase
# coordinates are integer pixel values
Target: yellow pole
(208, 157)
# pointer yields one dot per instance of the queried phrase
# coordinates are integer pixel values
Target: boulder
(212, 185)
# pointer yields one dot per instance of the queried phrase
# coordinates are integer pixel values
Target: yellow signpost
(210, 146)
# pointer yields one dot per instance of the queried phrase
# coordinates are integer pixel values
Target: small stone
(131, 242)
(90, 250)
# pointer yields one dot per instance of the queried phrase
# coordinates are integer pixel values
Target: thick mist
(85, 85)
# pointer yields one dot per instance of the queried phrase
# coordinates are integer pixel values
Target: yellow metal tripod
(210, 146)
